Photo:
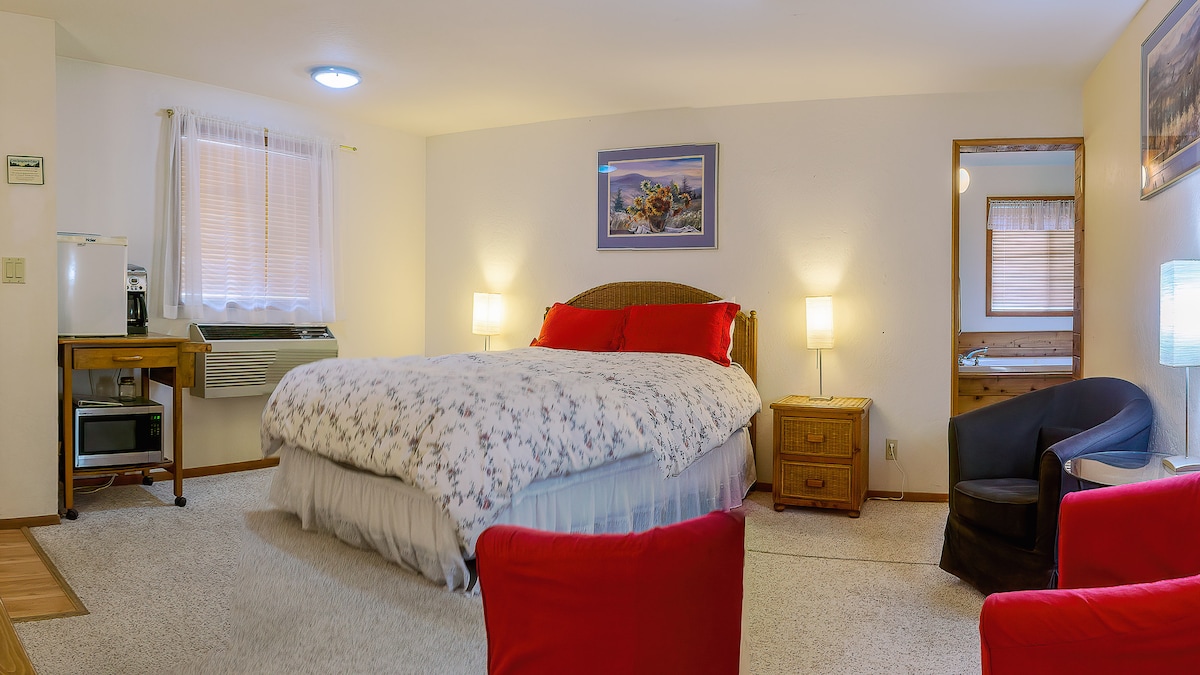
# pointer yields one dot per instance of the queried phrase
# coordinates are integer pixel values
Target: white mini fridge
(91, 284)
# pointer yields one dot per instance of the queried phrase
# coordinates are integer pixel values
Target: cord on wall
(903, 485)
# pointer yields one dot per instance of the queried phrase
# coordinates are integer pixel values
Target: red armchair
(1128, 588)
(668, 600)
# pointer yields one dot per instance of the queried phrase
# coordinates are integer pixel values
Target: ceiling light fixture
(335, 77)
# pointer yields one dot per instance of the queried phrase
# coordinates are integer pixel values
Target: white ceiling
(439, 67)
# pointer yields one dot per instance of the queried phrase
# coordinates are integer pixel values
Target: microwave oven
(117, 433)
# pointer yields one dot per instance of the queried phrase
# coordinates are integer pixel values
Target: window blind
(1030, 256)
(254, 224)
(1031, 272)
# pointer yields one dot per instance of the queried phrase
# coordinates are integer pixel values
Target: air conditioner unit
(249, 360)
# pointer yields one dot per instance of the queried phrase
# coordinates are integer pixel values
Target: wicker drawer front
(151, 357)
(802, 480)
(808, 436)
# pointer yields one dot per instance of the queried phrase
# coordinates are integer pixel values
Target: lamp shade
(1179, 314)
(819, 322)
(487, 314)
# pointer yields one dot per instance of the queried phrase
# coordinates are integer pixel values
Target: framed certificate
(25, 170)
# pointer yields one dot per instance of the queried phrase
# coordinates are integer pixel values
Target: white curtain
(1041, 215)
(250, 234)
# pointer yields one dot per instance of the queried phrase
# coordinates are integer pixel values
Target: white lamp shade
(964, 180)
(819, 321)
(1179, 314)
(487, 314)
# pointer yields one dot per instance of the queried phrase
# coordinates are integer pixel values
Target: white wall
(1129, 239)
(28, 400)
(111, 128)
(999, 181)
(845, 197)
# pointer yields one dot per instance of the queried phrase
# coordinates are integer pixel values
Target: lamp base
(1181, 463)
(820, 398)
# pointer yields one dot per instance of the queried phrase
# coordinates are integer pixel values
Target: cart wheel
(181, 501)
(72, 514)
(147, 480)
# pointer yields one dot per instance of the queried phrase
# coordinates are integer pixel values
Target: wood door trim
(1013, 145)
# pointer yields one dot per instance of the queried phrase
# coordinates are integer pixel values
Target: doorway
(979, 385)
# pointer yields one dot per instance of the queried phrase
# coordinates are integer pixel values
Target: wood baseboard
(135, 479)
(193, 472)
(216, 469)
(940, 497)
(35, 521)
(937, 497)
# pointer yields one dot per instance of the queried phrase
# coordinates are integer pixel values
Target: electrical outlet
(889, 452)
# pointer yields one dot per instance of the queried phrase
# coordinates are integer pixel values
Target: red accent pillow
(586, 330)
(696, 329)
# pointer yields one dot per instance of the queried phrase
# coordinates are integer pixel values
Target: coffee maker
(137, 316)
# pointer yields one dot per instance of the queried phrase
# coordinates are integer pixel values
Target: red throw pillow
(696, 329)
(587, 330)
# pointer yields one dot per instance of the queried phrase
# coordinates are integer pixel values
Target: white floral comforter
(472, 430)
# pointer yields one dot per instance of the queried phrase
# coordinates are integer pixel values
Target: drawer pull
(814, 482)
(815, 438)
(127, 358)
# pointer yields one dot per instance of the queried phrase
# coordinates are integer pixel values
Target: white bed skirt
(403, 524)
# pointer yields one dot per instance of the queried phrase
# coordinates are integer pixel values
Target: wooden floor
(30, 585)
(13, 659)
(30, 589)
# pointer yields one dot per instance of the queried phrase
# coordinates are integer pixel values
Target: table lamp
(819, 325)
(486, 316)
(1179, 337)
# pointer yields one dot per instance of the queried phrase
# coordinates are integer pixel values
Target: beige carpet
(227, 585)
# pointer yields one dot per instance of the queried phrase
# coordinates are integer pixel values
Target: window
(250, 236)
(1030, 256)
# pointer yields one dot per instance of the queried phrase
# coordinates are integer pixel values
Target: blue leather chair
(1007, 477)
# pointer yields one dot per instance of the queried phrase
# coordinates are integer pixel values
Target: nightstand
(821, 453)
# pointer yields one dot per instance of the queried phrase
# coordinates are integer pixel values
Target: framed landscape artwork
(1171, 99)
(657, 198)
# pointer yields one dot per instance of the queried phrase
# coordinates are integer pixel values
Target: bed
(414, 457)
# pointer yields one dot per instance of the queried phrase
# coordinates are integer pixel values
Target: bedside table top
(837, 402)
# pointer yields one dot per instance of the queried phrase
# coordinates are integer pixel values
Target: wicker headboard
(625, 293)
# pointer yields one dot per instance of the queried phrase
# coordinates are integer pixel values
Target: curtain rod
(349, 148)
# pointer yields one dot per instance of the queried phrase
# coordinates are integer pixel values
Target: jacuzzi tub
(1019, 364)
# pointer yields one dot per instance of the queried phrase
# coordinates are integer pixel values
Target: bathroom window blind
(254, 225)
(1031, 256)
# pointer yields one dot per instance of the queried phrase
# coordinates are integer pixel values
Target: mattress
(474, 430)
(405, 526)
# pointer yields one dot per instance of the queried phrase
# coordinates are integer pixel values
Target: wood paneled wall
(976, 390)
(1018, 343)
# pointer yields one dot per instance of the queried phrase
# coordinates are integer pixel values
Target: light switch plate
(14, 270)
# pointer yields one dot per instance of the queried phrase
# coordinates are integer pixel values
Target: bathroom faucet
(972, 356)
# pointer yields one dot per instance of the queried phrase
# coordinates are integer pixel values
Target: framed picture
(1171, 99)
(657, 198)
(25, 170)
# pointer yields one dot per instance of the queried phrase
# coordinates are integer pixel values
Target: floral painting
(657, 197)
